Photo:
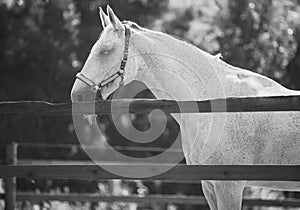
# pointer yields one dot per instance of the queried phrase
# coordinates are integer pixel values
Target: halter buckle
(95, 88)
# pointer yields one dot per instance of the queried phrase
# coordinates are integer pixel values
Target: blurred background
(44, 43)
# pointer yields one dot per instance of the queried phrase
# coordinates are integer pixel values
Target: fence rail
(150, 199)
(178, 172)
(250, 104)
(95, 147)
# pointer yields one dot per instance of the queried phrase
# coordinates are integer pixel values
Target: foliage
(36, 52)
(256, 35)
(38, 43)
(43, 44)
(260, 36)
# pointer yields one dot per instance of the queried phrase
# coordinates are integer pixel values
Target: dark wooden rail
(151, 199)
(92, 147)
(178, 172)
(250, 104)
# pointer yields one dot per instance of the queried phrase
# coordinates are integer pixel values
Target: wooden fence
(150, 199)
(250, 104)
(179, 172)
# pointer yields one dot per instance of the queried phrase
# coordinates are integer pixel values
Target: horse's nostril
(80, 98)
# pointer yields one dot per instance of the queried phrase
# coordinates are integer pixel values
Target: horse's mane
(134, 25)
(215, 60)
(217, 57)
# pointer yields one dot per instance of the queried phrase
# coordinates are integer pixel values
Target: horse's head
(104, 68)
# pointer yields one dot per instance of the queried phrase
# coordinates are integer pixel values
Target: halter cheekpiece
(97, 87)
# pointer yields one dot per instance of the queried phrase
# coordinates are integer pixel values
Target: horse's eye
(105, 50)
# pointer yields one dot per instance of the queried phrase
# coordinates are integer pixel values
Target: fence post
(10, 183)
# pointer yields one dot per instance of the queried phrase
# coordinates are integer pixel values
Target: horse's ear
(114, 19)
(103, 17)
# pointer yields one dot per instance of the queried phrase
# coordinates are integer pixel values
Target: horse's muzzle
(82, 93)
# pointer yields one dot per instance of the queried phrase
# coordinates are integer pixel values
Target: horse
(175, 69)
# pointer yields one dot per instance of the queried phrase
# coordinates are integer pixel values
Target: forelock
(133, 25)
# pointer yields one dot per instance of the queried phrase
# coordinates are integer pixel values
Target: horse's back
(239, 82)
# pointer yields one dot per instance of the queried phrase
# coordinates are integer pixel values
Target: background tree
(44, 43)
(261, 36)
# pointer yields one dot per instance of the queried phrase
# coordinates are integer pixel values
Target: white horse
(174, 69)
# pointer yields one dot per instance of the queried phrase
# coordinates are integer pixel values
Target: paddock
(12, 170)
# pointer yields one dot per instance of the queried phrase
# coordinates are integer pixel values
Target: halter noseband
(94, 87)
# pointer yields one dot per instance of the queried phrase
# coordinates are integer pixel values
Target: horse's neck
(176, 70)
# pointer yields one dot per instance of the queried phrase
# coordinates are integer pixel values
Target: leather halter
(97, 87)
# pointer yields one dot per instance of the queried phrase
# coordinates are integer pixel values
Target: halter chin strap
(94, 87)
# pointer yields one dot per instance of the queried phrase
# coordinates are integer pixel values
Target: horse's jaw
(106, 91)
